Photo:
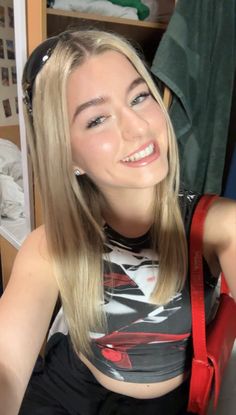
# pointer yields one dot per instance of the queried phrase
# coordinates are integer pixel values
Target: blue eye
(140, 98)
(95, 122)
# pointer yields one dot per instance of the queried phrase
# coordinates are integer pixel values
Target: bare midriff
(135, 390)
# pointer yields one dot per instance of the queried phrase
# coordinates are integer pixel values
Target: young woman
(114, 244)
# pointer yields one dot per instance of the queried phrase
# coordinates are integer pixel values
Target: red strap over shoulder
(205, 367)
(224, 287)
(196, 277)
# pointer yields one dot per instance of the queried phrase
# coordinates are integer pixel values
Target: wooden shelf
(143, 34)
(108, 19)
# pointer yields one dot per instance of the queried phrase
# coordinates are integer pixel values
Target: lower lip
(145, 160)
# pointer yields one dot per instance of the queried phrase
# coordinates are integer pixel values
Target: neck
(129, 212)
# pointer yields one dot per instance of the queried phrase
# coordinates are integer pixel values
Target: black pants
(65, 386)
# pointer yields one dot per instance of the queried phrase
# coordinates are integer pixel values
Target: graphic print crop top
(144, 342)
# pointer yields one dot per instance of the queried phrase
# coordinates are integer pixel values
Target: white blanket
(11, 198)
(11, 181)
(101, 7)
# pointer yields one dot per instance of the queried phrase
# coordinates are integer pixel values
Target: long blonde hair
(71, 209)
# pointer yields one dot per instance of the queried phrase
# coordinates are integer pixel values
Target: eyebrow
(102, 100)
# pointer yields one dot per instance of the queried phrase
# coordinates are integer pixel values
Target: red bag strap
(224, 289)
(196, 277)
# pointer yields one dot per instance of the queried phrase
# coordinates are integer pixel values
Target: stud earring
(77, 172)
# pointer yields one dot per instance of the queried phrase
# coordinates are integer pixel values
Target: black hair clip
(36, 61)
(34, 64)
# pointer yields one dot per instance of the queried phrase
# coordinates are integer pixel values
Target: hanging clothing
(196, 60)
(230, 188)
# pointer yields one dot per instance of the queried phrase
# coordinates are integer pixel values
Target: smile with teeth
(140, 154)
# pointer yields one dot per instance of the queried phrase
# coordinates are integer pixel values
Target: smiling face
(118, 131)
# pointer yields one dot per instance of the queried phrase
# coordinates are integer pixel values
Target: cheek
(156, 118)
(160, 131)
(95, 148)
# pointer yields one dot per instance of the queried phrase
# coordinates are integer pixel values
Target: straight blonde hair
(72, 208)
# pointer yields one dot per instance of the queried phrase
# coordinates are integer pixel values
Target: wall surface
(8, 81)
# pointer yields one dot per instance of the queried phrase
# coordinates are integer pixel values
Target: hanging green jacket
(196, 60)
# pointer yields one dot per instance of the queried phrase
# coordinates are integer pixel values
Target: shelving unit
(142, 34)
(45, 22)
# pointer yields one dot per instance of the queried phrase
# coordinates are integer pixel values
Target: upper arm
(26, 308)
(220, 238)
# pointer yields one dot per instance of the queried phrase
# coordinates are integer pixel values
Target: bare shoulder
(26, 306)
(220, 239)
(220, 224)
(32, 280)
(35, 244)
(33, 263)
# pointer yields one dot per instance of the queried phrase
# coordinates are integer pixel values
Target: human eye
(95, 122)
(140, 98)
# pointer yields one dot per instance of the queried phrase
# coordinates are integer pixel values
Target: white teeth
(141, 154)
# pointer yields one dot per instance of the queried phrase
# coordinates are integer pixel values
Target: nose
(133, 124)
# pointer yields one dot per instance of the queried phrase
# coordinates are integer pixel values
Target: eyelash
(137, 100)
(142, 95)
(95, 122)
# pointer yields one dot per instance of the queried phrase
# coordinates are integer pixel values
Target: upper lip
(142, 147)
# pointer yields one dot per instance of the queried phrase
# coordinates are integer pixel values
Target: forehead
(105, 69)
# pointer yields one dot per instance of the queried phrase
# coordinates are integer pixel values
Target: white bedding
(11, 181)
(102, 7)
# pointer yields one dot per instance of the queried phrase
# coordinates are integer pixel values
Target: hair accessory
(77, 172)
(34, 64)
